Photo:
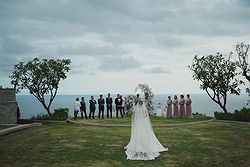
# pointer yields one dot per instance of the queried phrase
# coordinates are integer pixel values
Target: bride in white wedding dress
(143, 144)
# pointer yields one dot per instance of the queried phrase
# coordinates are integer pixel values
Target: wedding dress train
(143, 143)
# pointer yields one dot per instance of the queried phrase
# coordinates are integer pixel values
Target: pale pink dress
(182, 108)
(176, 115)
(169, 109)
(189, 108)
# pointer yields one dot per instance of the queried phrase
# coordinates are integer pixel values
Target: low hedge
(59, 114)
(242, 115)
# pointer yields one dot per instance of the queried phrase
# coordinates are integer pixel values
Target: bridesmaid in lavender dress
(188, 107)
(169, 109)
(182, 107)
(176, 115)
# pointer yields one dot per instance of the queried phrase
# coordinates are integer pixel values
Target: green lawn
(155, 120)
(211, 144)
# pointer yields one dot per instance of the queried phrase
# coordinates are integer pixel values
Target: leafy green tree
(242, 50)
(41, 78)
(217, 77)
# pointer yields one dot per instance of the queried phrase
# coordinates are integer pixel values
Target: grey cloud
(115, 63)
(148, 23)
(130, 19)
(92, 50)
(169, 41)
(15, 46)
(218, 19)
(156, 70)
(136, 10)
(130, 38)
(7, 63)
(82, 68)
(244, 2)
(10, 50)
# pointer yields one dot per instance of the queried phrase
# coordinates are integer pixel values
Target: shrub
(59, 114)
(41, 117)
(198, 115)
(242, 115)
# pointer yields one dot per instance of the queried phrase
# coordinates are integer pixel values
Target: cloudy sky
(116, 44)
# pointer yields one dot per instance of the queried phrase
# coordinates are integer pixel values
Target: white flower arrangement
(149, 95)
(128, 104)
(130, 99)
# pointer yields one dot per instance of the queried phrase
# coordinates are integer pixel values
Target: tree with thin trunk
(41, 78)
(217, 77)
(242, 50)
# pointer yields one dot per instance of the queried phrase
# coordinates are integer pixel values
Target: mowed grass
(211, 144)
(154, 120)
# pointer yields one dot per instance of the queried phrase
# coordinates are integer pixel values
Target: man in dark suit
(101, 103)
(109, 102)
(92, 103)
(118, 105)
(83, 108)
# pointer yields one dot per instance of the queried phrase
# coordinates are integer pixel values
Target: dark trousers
(101, 111)
(109, 109)
(75, 114)
(119, 108)
(84, 114)
(123, 110)
(92, 111)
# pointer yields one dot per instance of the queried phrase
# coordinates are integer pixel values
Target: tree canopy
(217, 77)
(242, 50)
(40, 77)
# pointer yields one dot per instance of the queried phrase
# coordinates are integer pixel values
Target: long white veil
(140, 111)
(143, 143)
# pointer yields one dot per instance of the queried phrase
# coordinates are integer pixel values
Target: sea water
(201, 103)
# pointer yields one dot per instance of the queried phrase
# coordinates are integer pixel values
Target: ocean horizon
(201, 103)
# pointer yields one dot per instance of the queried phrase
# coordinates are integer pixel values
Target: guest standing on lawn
(109, 102)
(101, 103)
(169, 107)
(77, 106)
(116, 106)
(176, 103)
(182, 107)
(92, 103)
(188, 107)
(83, 108)
(118, 103)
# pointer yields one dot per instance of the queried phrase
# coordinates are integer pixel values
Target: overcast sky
(116, 44)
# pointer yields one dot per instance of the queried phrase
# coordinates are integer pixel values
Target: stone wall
(7, 95)
(8, 106)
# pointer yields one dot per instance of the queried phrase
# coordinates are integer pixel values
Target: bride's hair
(140, 102)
